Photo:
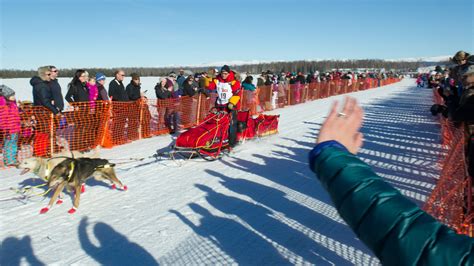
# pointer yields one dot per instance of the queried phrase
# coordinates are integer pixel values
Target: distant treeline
(290, 66)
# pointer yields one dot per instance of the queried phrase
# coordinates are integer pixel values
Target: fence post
(141, 118)
(106, 123)
(51, 135)
(198, 112)
(289, 95)
(270, 94)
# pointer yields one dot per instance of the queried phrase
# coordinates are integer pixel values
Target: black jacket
(77, 92)
(57, 94)
(117, 91)
(133, 92)
(42, 95)
(301, 79)
(465, 111)
(162, 93)
(189, 89)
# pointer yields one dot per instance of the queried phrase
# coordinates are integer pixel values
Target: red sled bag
(209, 137)
(262, 125)
(245, 126)
(266, 125)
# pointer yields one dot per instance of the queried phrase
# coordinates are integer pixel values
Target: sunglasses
(54, 71)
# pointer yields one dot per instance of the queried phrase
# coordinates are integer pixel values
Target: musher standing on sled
(229, 92)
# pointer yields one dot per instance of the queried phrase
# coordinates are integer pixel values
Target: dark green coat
(393, 227)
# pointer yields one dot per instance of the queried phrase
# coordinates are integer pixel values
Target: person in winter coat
(190, 87)
(93, 91)
(180, 79)
(248, 85)
(250, 95)
(56, 88)
(117, 89)
(77, 89)
(9, 125)
(118, 94)
(465, 110)
(102, 92)
(173, 84)
(392, 226)
(166, 109)
(134, 94)
(419, 82)
(228, 90)
(204, 81)
(42, 95)
(228, 98)
(163, 90)
(133, 88)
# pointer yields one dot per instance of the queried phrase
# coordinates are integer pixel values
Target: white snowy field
(261, 205)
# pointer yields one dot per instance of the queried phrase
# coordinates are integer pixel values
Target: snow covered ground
(259, 206)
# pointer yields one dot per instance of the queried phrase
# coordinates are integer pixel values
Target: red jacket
(234, 85)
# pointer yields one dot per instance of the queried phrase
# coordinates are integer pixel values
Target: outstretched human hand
(344, 126)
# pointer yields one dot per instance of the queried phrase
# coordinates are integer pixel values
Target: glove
(234, 99)
(230, 106)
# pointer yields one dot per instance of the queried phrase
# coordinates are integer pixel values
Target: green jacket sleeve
(393, 227)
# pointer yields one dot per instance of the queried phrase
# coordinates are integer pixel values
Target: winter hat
(225, 68)
(100, 76)
(6, 91)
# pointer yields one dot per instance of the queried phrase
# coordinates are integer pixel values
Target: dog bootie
(72, 210)
(44, 210)
(83, 188)
(59, 201)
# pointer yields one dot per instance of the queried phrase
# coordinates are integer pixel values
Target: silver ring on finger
(341, 114)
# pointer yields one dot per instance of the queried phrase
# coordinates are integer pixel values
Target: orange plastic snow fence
(87, 125)
(451, 199)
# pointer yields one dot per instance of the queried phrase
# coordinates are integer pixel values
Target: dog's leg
(60, 199)
(58, 190)
(77, 198)
(112, 177)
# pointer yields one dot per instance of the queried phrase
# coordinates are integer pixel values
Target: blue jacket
(248, 87)
(393, 227)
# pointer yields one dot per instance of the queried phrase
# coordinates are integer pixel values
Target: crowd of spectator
(90, 88)
(455, 84)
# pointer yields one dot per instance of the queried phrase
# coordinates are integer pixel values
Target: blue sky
(147, 33)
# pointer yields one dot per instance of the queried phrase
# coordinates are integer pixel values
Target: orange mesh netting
(451, 200)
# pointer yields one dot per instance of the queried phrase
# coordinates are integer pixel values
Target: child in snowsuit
(9, 125)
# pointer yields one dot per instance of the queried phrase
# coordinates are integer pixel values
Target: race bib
(224, 93)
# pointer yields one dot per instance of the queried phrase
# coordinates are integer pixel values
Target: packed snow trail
(259, 205)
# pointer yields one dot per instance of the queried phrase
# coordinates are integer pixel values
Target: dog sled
(210, 140)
